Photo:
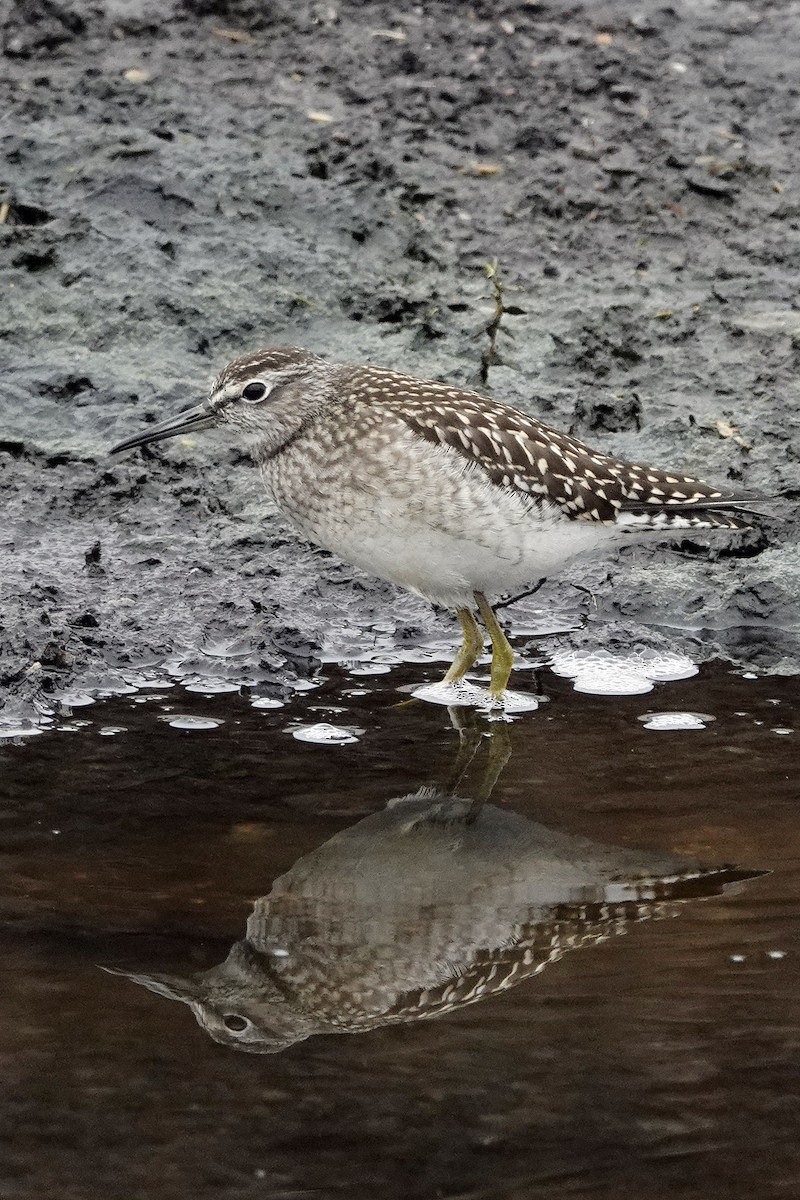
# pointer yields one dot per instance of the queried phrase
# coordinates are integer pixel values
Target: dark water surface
(608, 1019)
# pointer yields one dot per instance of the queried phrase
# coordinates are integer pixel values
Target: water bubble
(9, 728)
(304, 685)
(598, 673)
(776, 954)
(149, 681)
(783, 730)
(111, 730)
(211, 687)
(187, 721)
(266, 702)
(612, 683)
(601, 673)
(664, 666)
(73, 699)
(738, 958)
(324, 734)
(675, 720)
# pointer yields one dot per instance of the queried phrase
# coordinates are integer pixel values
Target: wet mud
(183, 182)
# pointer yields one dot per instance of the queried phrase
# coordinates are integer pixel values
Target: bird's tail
(670, 518)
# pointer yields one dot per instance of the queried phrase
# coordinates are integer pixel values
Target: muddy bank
(183, 182)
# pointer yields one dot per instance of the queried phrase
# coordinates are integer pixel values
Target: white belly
(439, 528)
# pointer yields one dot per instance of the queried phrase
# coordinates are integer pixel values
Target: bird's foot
(500, 705)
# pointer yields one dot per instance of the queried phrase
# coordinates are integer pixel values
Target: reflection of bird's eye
(234, 1022)
(254, 392)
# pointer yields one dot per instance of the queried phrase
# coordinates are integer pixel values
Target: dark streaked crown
(275, 358)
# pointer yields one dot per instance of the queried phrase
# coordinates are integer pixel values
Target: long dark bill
(189, 421)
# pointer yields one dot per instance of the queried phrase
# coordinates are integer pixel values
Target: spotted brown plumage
(442, 491)
(519, 452)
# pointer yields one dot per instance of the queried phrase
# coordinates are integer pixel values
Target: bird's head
(263, 394)
(242, 1003)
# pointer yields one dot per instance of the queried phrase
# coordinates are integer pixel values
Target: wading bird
(450, 494)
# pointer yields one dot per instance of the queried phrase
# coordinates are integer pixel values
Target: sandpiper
(445, 492)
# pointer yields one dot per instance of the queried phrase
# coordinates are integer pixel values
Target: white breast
(419, 515)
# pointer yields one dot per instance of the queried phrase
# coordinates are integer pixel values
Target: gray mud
(183, 182)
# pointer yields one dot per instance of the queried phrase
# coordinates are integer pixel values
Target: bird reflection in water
(440, 900)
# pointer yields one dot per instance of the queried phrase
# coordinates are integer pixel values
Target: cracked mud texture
(184, 182)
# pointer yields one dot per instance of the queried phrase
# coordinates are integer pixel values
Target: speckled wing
(534, 948)
(519, 452)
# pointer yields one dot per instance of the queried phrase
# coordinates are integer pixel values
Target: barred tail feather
(671, 518)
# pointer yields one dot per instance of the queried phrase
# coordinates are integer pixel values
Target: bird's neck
(291, 413)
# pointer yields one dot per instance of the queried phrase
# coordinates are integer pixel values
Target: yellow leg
(470, 648)
(502, 654)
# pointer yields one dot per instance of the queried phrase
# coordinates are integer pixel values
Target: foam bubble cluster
(12, 728)
(667, 721)
(188, 721)
(324, 734)
(601, 673)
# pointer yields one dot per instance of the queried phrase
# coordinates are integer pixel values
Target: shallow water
(542, 996)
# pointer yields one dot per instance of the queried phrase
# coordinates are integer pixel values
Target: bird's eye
(254, 392)
(234, 1022)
